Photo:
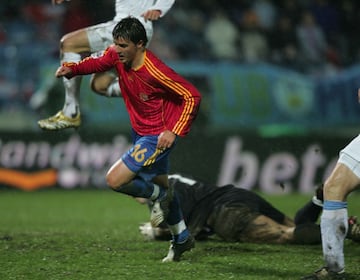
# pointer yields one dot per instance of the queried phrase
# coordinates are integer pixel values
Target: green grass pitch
(93, 234)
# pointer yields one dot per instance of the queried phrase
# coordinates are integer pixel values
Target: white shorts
(100, 35)
(350, 156)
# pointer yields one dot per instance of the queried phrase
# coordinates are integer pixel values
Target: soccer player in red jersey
(161, 105)
(93, 40)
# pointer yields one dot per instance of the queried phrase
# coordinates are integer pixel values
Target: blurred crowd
(314, 37)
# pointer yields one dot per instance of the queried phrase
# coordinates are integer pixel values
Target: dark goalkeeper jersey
(198, 200)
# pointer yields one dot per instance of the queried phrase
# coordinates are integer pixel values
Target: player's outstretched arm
(63, 71)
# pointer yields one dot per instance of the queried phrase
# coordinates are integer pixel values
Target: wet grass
(93, 234)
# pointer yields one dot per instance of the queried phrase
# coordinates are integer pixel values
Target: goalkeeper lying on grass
(236, 214)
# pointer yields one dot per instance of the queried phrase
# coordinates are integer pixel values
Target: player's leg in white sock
(334, 227)
(72, 88)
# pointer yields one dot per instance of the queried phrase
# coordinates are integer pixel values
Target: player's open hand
(151, 15)
(166, 139)
(147, 231)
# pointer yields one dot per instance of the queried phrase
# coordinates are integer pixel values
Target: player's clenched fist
(63, 71)
(151, 15)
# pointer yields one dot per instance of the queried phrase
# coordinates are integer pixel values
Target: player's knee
(335, 190)
(61, 45)
(65, 44)
(112, 182)
(71, 43)
(93, 85)
(96, 86)
(117, 183)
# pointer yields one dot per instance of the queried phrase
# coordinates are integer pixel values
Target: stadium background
(268, 121)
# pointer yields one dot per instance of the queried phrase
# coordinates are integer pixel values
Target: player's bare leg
(105, 84)
(72, 46)
(265, 230)
(288, 222)
(242, 224)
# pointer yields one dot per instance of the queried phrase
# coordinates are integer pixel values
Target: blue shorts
(145, 159)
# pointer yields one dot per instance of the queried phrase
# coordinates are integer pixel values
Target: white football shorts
(100, 35)
(350, 156)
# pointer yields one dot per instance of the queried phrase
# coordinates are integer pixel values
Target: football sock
(175, 213)
(113, 89)
(137, 188)
(72, 88)
(334, 226)
(179, 232)
(309, 213)
(157, 191)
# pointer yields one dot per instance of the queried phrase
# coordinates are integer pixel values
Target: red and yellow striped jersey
(156, 97)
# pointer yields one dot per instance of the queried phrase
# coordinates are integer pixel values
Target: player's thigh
(340, 183)
(119, 174)
(100, 36)
(346, 175)
(76, 41)
(146, 160)
(100, 82)
(264, 230)
(229, 222)
(161, 180)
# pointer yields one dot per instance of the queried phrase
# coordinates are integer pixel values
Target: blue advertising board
(243, 96)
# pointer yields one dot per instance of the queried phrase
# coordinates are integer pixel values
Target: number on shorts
(138, 154)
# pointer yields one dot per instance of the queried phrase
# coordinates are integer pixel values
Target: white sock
(178, 228)
(113, 89)
(72, 87)
(155, 193)
(334, 227)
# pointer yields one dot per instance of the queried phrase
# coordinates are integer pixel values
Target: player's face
(126, 50)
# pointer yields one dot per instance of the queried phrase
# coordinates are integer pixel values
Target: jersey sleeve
(192, 99)
(190, 106)
(183, 114)
(91, 64)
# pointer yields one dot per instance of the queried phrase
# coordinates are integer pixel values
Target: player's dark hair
(130, 28)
